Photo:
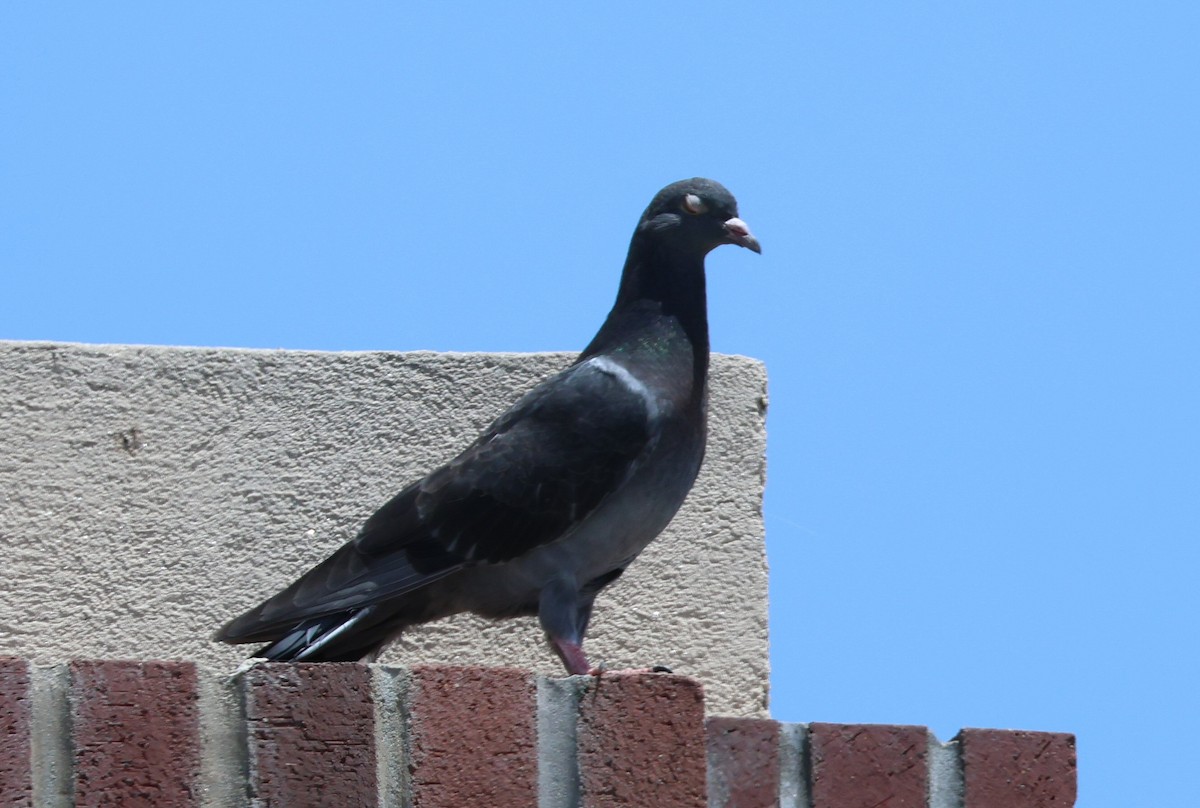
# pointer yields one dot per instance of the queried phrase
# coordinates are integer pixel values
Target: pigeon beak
(739, 234)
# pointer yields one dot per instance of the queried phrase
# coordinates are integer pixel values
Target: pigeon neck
(660, 282)
(672, 280)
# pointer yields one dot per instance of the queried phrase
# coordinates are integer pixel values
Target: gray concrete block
(148, 494)
(558, 762)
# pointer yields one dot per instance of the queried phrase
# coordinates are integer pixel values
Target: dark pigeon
(559, 495)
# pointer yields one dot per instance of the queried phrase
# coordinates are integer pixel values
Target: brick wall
(145, 733)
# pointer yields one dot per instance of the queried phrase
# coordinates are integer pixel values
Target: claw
(601, 669)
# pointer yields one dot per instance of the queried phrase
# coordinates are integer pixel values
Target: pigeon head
(696, 215)
(664, 270)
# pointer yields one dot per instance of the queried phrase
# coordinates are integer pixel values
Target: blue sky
(978, 301)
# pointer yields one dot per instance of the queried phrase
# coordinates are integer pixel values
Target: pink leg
(572, 656)
(575, 661)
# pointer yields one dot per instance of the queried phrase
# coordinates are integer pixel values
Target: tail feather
(344, 637)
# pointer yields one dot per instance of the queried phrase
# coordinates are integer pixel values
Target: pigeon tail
(343, 637)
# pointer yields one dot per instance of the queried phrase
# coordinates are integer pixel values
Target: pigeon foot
(572, 656)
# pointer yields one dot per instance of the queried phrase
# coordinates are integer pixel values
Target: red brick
(743, 762)
(1010, 769)
(311, 735)
(641, 742)
(135, 733)
(16, 781)
(472, 737)
(869, 765)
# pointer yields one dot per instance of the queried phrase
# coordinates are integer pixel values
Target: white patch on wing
(631, 382)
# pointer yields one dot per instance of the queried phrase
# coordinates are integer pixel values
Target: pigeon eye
(694, 205)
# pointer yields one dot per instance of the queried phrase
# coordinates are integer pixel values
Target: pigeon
(559, 495)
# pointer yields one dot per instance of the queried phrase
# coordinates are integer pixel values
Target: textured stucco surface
(148, 494)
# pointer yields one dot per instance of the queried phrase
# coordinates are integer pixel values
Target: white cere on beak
(694, 204)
